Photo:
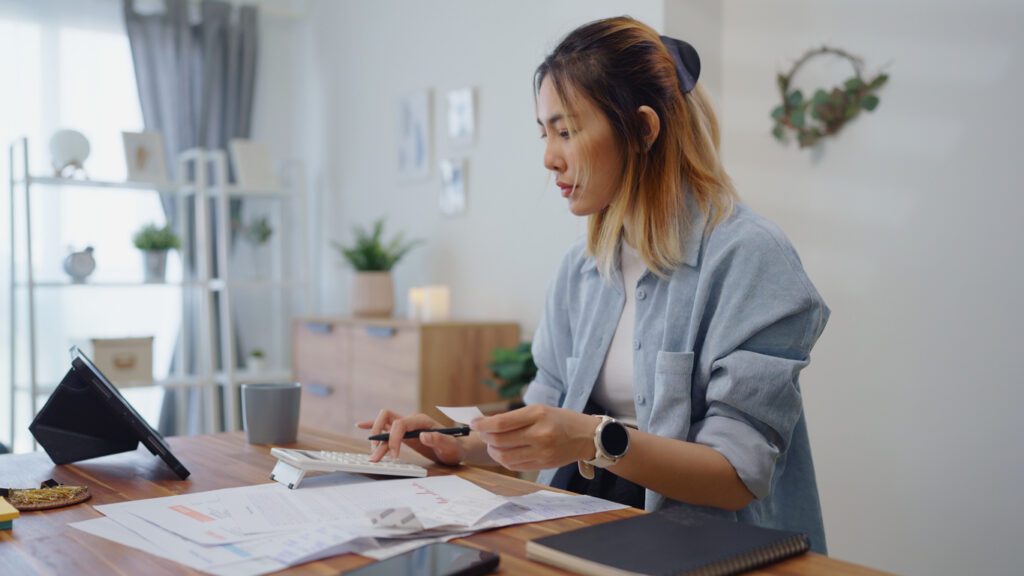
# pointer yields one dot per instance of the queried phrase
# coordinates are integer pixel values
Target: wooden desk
(42, 542)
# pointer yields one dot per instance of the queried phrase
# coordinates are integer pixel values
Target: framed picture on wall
(453, 186)
(144, 157)
(414, 136)
(462, 117)
(252, 165)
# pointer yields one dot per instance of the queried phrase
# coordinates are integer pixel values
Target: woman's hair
(620, 64)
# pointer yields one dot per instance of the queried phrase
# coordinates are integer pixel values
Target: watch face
(614, 439)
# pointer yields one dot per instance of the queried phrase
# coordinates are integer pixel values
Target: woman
(672, 339)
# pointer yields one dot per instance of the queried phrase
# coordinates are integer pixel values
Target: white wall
(905, 222)
(499, 256)
(288, 116)
(908, 223)
(700, 22)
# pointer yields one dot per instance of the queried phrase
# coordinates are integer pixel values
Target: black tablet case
(85, 418)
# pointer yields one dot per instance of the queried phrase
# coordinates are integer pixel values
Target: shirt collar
(692, 236)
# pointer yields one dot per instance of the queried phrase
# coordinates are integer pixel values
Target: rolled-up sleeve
(767, 317)
(552, 342)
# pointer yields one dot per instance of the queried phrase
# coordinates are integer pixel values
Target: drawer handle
(318, 389)
(380, 331)
(320, 327)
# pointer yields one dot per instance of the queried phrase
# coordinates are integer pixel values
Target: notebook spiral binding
(760, 557)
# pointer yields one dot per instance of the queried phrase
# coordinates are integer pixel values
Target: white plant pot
(256, 365)
(373, 294)
(155, 264)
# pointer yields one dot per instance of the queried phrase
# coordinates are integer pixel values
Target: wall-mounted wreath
(830, 110)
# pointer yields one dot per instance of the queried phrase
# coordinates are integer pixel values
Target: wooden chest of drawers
(352, 368)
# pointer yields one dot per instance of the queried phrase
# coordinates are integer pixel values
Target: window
(67, 64)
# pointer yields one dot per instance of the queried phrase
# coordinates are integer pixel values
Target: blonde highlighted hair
(620, 64)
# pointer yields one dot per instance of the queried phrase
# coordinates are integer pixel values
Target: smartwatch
(611, 441)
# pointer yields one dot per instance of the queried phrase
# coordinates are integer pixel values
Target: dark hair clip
(687, 62)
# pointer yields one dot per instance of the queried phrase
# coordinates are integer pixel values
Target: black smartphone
(439, 559)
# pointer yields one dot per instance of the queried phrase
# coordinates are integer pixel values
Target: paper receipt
(461, 414)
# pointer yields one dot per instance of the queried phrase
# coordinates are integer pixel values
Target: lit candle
(436, 303)
(416, 301)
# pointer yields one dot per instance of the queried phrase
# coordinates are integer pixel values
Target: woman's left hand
(538, 436)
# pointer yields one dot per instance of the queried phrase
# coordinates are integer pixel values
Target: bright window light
(58, 75)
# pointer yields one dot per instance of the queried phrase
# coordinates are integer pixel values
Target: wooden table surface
(43, 543)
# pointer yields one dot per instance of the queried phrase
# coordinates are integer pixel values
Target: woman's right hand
(440, 448)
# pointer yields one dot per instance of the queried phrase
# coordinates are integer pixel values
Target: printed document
(258, 529)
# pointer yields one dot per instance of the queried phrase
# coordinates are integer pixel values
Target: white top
(614, 386)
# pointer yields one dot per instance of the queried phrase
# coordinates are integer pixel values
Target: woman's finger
(511, 439)
(508, 421)
(381, 424)
(514, 458)
(383, 420)
(378, 452)
(447, 449)
(398, 428)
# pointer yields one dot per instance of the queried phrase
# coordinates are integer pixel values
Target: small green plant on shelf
(258, 231)
(153, 238)
(513, 369)
(371, 253)
(257, 360)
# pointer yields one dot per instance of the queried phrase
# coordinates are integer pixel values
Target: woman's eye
(563, 134)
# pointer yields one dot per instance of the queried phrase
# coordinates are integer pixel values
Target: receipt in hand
(461, 414)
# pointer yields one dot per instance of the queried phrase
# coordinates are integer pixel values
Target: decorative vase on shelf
(79, 265)
(155, 266)
(372, 294)
(256, 363)
(154, 242)
(68, 152)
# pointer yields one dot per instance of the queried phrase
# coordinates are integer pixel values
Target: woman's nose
(552, 159)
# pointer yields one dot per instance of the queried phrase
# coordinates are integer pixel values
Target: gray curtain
(196, 78)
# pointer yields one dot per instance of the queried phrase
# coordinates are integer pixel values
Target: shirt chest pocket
(671, 405)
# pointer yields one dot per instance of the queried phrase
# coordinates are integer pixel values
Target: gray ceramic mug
(270, 412)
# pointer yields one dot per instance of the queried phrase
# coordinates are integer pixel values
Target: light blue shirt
(718, 349)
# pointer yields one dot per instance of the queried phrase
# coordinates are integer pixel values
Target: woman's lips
(566, 189)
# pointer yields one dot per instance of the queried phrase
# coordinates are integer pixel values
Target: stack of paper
(264, 528)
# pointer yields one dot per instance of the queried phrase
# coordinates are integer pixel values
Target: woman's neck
(627, 233)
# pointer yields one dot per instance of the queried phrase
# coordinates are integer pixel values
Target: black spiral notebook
(668, 542)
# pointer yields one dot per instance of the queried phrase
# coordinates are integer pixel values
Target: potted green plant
(257, 360)
(258, 233)
(155, 241)
(513, 369)
(372, 258)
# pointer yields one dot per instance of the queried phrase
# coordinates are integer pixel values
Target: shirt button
(640, 399)
(636, 344)
(641, 294)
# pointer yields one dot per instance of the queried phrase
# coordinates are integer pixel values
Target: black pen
(458, 431)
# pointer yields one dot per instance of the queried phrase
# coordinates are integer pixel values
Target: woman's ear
(650, 118)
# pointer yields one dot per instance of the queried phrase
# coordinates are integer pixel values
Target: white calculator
(292, 465)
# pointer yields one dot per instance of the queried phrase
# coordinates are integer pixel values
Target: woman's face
(590, 142)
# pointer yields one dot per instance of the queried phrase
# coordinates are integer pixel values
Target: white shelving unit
(209, 168)
(215, 370)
